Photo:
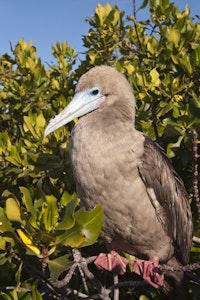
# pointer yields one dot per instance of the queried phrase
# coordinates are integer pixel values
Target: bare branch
(134, 8)
(196, 240)
(195, 170)
(187, 268)
(67, 278)
(116, 291)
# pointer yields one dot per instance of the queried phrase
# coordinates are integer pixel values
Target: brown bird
(145, 204)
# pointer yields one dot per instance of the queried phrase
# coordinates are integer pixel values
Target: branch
(105, 293)
(134, 8)
(81, 264)
(187, 268)
(195, 170)
(196, 240)
(130, 283)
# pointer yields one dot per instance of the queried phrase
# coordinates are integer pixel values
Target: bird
(146, 209)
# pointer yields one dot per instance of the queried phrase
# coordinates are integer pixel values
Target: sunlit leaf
(155, 77)
(143, 297)
(85, 230)
(27, 241)
(72, 237)
(91, 223)
(174, 35)
(185, 63)
(13, 210)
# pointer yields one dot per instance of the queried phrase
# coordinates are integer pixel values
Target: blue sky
(45, 21)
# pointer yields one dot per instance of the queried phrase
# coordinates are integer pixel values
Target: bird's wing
(168, 196)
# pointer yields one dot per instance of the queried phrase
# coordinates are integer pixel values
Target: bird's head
(100, 87)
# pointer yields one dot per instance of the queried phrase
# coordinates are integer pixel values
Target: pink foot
(111, 262)
(149, 270)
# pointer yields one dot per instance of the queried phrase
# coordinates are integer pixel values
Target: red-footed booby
(145, 204)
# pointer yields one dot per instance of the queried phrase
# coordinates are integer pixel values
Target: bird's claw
(149, 270)
(111, 262)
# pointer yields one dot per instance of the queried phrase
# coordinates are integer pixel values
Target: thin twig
(195, 170)
(67, 278)
(187, 268)
(83, 278)
(82, 264)
(134, 8)
(71, 291)
(116, 291)
(130, 283)
(196, 239)
(154, 123)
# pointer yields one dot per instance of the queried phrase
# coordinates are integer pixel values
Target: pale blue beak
(82, 103)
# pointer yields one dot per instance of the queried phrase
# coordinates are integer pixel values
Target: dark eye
(94, 91)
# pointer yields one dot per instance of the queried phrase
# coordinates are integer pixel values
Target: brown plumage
(144, 201)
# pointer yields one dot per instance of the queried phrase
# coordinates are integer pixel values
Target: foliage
(40, 216)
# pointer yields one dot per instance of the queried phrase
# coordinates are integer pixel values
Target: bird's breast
(105, 166)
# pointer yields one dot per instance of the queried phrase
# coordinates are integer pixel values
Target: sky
(47, 21)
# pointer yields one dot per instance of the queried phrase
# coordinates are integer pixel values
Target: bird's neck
(117, 112)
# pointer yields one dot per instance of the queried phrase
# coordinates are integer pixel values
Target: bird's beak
(81, 104)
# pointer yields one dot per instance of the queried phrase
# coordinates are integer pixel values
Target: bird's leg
(148, 269)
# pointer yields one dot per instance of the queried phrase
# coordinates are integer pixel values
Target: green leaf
(184, 62)
(27, 199)
(13, 211)
(152, 45)
(174, 36)
(66, 198)
(50, 213)
(43, 162)
(72, 237)
(155, 77)
(5, 225)
(143, 297)
(85, 230)
(68, 220)
(172, 146)
(144, 4)
(40, 122)
(91, 223)
(28, 126)
(35, 295)
(14, 157)
(194, 104)
(102, 12)
(59, 265)
(5, 296)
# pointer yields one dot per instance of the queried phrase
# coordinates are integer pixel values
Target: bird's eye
(95, 91)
